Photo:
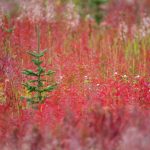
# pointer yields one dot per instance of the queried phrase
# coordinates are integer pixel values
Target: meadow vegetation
(102, 72)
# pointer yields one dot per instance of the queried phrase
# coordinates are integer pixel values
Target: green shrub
(36, 86)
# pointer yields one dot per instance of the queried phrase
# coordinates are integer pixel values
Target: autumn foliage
(102, 99)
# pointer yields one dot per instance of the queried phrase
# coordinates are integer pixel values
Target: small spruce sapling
(38, 89)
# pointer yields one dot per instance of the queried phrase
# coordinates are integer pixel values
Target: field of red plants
(102, 72)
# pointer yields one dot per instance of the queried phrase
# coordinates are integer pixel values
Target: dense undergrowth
(102, 99)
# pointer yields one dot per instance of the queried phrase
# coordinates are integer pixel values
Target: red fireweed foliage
(103, 95)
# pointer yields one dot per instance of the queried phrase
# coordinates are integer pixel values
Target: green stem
(39, 75)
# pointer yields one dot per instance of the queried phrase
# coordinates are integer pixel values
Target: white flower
(125, 76)
(115, 73)
(61, 77)
(98, 84)
(85, 77)
(137, 77)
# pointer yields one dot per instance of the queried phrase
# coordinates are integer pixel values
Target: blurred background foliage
(87, 9)
(94, 9)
